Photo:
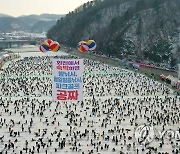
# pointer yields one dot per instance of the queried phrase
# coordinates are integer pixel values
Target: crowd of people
(115, 103)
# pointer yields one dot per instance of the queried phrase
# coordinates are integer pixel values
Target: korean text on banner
(67, 80)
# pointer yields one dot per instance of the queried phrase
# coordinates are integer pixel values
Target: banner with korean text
(67, 80)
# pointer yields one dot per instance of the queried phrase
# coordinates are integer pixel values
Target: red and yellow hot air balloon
(54, 46)
(49, 41)
(82, 46)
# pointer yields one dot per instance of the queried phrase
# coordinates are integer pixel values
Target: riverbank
(149, 72)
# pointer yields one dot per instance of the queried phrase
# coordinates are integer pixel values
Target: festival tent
(168, 79)
(171, 80)
(6, 57)
(144, 65)
(174, 81)
(163, 77)
(136, 65)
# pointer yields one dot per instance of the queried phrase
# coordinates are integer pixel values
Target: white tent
(6, 57)
(173, 80)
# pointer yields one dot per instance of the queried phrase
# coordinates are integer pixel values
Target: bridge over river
(15, 43)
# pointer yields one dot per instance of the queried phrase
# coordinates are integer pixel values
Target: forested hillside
(146, 29)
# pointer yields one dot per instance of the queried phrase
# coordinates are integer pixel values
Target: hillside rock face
(141, 28)
(104, 17)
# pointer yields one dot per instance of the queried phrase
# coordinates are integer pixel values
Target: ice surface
(115, 102)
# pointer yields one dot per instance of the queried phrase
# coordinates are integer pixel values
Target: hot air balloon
(82, 46)
(49, 41)
(54, 46)
(44, 47)
(91, 44)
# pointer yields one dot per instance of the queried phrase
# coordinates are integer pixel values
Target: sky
(26, 7)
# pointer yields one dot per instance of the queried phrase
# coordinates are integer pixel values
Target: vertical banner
(67, 80)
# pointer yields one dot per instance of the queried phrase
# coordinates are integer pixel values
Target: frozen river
(116, 103)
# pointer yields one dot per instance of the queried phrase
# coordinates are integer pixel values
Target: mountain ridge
(28, 23)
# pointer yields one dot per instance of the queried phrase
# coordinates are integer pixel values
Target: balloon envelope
(54, 46)
(44, 47)
(91, 44)
(49, 41)
(82, 46)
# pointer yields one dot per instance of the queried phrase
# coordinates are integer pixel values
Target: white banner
(67, 80)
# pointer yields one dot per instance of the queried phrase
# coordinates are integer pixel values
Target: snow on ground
(32, 50)
(116, 102)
